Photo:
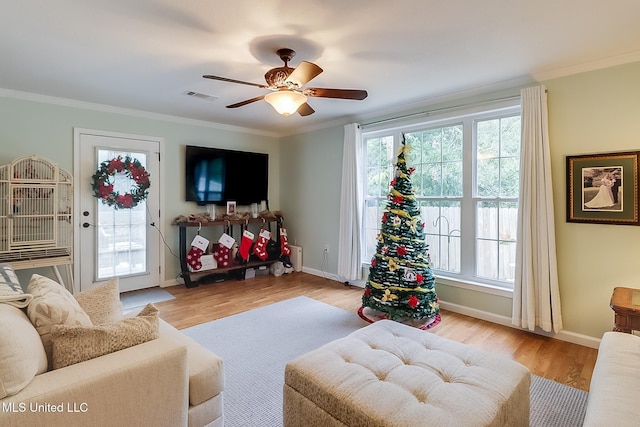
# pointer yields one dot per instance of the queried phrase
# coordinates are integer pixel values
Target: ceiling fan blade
(336, 93)
(243, 103)
(303, 73)
(305, 110)
(224, 79)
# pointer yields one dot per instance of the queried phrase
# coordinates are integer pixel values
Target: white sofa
(615, 384)
(167, 381)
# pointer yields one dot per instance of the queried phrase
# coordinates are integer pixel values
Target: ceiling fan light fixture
(288, 95)
(285, 102)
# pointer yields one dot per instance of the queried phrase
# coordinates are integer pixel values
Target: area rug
(142, 297)
(257, 344)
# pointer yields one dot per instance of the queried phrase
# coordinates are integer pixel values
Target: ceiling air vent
(201, 95)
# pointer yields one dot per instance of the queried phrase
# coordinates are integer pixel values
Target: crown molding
(65, 102)
(584, 67)
(514, 84)
(419, 104)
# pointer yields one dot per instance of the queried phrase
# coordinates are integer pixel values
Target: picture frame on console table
(603, 188)
(231, 208)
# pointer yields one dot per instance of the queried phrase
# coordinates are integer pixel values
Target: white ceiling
(146, 54)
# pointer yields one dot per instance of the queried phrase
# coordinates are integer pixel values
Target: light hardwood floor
(560, 361)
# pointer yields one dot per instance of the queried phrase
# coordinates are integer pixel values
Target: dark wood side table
(625, 303)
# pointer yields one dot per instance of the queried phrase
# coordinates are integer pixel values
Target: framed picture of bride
(603, 188)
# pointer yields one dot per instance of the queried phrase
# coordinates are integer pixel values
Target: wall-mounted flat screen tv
(215, 176)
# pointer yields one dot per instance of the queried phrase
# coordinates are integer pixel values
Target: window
(466, 180)
(378, 175)
(497, 153)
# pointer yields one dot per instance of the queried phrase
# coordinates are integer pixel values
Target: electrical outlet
(326, 247)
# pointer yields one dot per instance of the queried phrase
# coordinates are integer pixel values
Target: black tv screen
(215, 176)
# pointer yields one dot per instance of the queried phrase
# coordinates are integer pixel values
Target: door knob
(86, 224)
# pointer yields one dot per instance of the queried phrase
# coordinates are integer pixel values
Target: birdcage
(36, 224)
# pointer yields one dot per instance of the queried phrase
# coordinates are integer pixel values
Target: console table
(192, 278)
(625, 303)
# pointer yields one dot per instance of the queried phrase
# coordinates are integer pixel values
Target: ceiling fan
(288, 95)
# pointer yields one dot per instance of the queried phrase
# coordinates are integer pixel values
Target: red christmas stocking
(260, 250)
(222, 255)
(193, 258)
(222, 252)
(284, 242)
(285, 250)
(245, 244)
(198, 246)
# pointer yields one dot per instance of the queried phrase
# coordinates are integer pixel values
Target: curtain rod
(441, 110)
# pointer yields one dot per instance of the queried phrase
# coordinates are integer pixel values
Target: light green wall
(43, 129)
(592, 112)
(595, 112)
(310, 186)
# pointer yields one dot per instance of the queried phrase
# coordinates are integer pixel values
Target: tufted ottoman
(390, 374)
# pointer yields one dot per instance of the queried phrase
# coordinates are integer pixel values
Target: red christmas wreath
(104, 179)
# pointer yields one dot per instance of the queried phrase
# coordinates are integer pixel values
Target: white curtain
(349, 264)
(536, 296)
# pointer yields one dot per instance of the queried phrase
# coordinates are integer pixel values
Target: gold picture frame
(603, 188)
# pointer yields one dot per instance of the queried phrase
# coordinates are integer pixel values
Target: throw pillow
(10, 290)
(22, 355)
(52, 305)
(102, 303)
(75, 344)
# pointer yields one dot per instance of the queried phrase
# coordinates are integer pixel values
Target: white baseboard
(321, 273)
(172, 282)
(331, 276)
(567, 336)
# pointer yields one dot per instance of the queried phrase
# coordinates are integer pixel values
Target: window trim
(468, 117)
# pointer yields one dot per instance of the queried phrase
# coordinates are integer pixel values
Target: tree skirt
(371, 315)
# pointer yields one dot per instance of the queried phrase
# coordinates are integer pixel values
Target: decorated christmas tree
(400, 285)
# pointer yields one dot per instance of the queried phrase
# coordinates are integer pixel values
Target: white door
(116, 242)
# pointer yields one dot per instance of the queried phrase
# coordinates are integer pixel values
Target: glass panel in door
(121, 233)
